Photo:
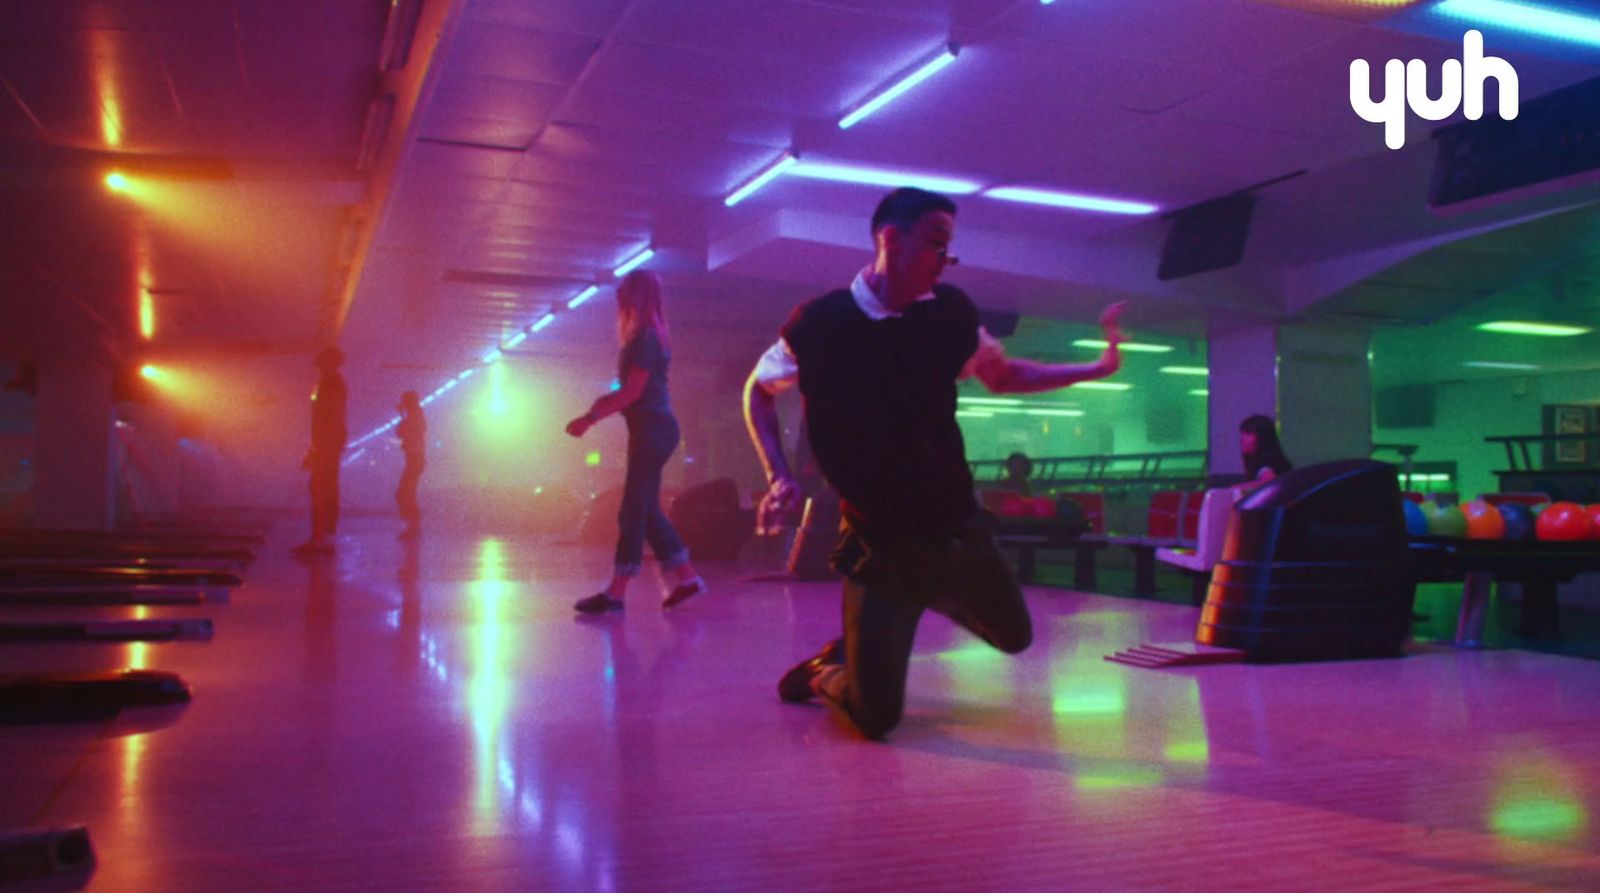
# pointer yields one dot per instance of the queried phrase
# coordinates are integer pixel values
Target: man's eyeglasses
(945, 257)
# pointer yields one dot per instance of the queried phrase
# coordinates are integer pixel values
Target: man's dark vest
(880, 403)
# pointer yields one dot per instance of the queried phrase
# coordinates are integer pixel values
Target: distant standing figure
(1259, 447)
(652, 437)
(328, 435)
(413, 435)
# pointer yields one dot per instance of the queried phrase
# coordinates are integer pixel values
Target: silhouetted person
(652, 437)
(1019, 468)
(412, 433)
(1259, 448)
(328, 435)
(877, 365)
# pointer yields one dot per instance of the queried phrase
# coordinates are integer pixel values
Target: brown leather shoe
(795, 685)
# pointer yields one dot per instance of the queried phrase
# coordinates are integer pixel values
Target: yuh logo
(1406, 83)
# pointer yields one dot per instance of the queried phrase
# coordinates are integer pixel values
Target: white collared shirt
(777, 370)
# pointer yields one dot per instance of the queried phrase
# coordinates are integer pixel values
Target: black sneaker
(599, 603)
(685, 591)
(795, 686)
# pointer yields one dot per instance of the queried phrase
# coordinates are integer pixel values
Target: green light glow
(592, 459)
(1081, 701)
(1188, 751)
(494, 399)
(1130, 777)
(1186, 370)
(1542, 817)
(1200, 392)
(1549, 330)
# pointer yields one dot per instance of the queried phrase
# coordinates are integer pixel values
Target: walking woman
(652, 436)
(412, 432)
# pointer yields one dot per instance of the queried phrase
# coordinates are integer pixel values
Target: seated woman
(1262, 453)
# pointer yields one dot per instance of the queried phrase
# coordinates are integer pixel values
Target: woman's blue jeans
(652, 437)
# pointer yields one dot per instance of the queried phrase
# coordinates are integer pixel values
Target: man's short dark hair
(903, 207)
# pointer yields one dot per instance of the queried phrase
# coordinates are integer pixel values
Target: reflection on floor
(435, 718)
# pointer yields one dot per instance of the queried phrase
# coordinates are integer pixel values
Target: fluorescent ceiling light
(1495, 364)
(465, 374)
(1130, 346)
(514, 340)
(973, 414)
(1553, 330)
(759, 180)
(1053, 412)
(548, 319)
(869, 176)
(633, 263)
(584, 295)
(492, 356)
(894, 90)
(1069, 200)
(990, 401)
(1529, 18)
(1103, 385)
(1200, 392)
(1186, 370)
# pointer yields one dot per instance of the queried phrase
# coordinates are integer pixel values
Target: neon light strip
(1130, 346)
(582, 296)
(899, 87)
(633, 263)
(784, 162)
(1102, 385)
(1071, 200)
(1549, 330)
(1540, 21)
(844, 173)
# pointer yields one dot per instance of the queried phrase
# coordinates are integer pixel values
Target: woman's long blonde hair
(639, 305)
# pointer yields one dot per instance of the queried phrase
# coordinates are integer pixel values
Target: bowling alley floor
(436, 718)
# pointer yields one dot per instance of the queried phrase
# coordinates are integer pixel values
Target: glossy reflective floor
(436, 718)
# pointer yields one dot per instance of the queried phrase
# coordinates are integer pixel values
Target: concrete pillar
(1314, 379)
(1242, 354)
(1324, 394)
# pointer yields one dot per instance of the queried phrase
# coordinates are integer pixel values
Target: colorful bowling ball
(1447, 521)
(1518, 519)
(1563, 521)
(1044, 507)
(1416, 518)
(1483, 521)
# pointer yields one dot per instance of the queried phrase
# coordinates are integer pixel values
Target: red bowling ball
(1563, 521)
(1484, 521)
